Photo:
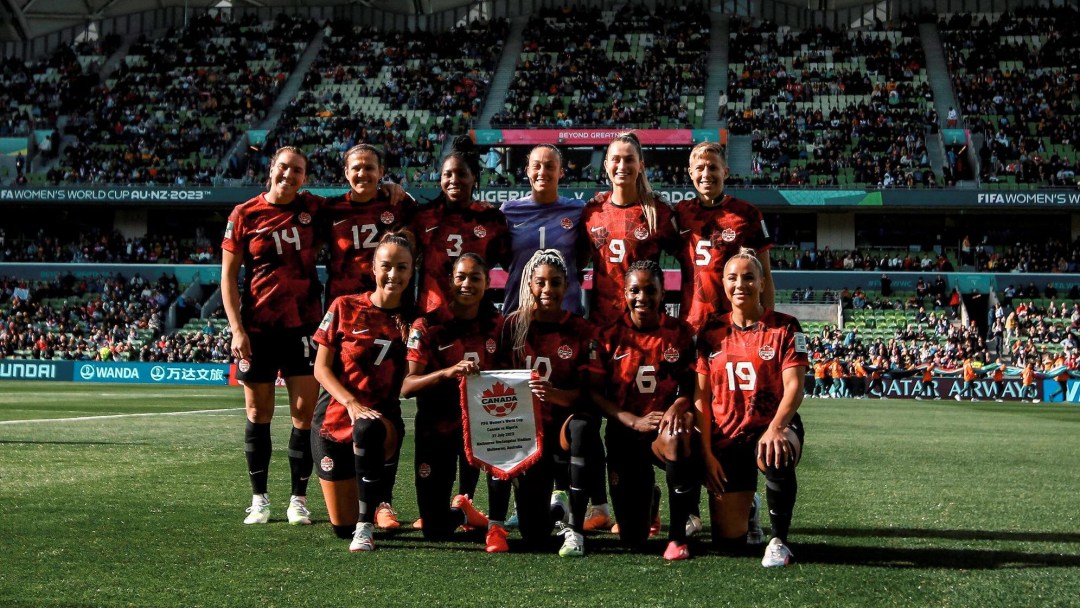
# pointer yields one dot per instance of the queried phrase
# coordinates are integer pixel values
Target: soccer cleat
(418, 524)
(654, 528)
(676, 551)
(693, 525)
(777, 555)
(258, 512)
(473, 517)
(573, 543)
(298, 512)
(918, 398)
(1000, 400)
(363, 538)
(597, 519)
(973, 399)
(386, 517)
(496, 539)
(561, 500)
(958, 397)
(754, 534)
(512, 521)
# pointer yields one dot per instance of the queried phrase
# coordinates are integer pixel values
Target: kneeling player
(751, 364)
(644, 360)
(357, 428)
(444, 346)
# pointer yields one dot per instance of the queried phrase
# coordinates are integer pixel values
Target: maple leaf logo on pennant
(499, 400)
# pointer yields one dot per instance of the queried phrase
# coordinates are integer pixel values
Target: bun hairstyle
(745, 253)
(519, 320)
(402, 238)
(644, 190)
(465, 150)
(277, 153)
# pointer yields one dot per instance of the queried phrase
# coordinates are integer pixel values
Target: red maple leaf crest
(497, 390)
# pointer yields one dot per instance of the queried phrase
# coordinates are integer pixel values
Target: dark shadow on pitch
(20, 442)
(956, 559)
(1000, 535)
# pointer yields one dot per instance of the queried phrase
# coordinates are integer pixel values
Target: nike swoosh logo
(361, 331)
(520, 225)
(430, 228)
(340, 222)
(597, 229)
(714, 354)
(685, 231)
(446, 347)
(262, 230)
(622, 356)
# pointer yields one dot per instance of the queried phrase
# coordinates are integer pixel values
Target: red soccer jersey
(354, 233)
(370, 361)
(709, 236)
(645, 370)
(745, 370)
(444, 233)
(438, 341)
(620, 236)
(559, 352)
(278, 245)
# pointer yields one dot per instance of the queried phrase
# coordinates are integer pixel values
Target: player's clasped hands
(463, 367)
(648, 423)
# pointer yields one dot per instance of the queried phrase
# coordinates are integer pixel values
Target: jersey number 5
(741, 376)
(702, 249)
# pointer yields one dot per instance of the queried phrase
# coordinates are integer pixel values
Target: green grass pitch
(901, 503)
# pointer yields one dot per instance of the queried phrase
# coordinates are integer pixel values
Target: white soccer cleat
(573, 543)
(693, 526)
(363, 538)
(777, 555)
(298, 512)
(258, 512)
(754, 534)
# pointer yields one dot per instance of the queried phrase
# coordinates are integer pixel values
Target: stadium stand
(629, 68)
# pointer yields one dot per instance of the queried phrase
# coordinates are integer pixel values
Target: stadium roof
(26, 19)
(22, 20)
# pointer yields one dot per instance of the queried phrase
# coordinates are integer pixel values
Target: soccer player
(643, 381)
(751, 364)
(444, 346)
(454, 223)
(357, 427)
(628, 223)
(1028, 391)
(555, 343)
(355, 222)
(713, 227)
(273, 237)
(358, 219)
(545, 220)
(970, 375)
(998, 375)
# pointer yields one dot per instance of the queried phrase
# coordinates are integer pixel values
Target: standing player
(357, 426)
(751, 365)
(713, 227)
(545, 220)
(627, 224)
(1028, 391)
(455, 223)
(273, 237)
(356, 221)
(444, 346)
(555, 344)
(644, 362)
(970, 375)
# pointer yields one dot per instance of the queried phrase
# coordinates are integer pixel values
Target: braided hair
(520, 319)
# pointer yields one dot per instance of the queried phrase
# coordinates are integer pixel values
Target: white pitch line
(142, 415)
(109, 416)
